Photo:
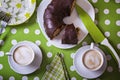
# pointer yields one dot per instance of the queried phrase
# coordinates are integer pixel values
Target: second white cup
(93, 58)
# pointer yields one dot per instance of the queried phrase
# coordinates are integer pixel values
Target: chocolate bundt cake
(54, 14)
(70, 35)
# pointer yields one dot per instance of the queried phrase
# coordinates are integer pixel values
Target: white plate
(21, 10)
(81, 70)
(32, 67)
(72, 19)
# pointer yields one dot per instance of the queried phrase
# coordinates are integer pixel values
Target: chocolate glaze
(70, 35)
(54, 14)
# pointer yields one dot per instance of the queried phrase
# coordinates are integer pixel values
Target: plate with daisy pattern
(20, 10)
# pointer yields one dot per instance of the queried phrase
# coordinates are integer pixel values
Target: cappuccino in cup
(92, 59)
(23, 55)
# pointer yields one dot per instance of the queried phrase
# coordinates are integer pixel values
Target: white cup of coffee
(22, 55)
(93, 58)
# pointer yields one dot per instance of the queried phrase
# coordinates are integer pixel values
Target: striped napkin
(56, 70)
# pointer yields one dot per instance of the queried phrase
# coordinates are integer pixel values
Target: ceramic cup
(22, 55)
(92, 58)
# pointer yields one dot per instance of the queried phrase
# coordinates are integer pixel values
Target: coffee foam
(92, 59)
(23, 55)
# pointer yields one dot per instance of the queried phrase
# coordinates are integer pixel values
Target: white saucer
(74, 18)
(81, 70)
(32, 67)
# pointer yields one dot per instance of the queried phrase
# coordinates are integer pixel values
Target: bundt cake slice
(70, 35)
(54, 14)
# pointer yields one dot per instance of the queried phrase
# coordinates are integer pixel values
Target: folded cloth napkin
(56, 69)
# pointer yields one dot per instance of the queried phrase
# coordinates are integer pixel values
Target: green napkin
(56, 70)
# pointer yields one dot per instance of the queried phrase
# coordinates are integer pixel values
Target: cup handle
(8, 54)
(92, 45)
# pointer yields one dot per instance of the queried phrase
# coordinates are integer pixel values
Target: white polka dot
(108, 57)
(107, 34)
(118, 46)
(1, 66)
(14, 42)
(1, 53)
(1, 78)
(72, 68)
(117, 1)
(13, 31)
(107, 21)
(73, 78)
(106, 11)
(96, 10)
(49, 54)
(118, 33)
(49, 44)
(109, 69)
(37, 32)
(118, 11)
(24, 78)
(38, 42)
(118, 22)
(94, 1)
(12, 78)
(72, 55)
(36, 78)
(26, 30)
(85, 79)
(1, 42)
(106, 1)
(84, 43)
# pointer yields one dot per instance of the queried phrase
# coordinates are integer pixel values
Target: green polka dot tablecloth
(107, 13)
